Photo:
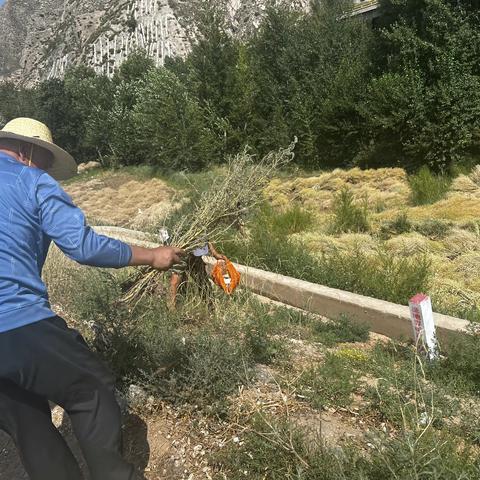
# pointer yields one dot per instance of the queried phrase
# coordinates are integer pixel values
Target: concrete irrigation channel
(383, 317)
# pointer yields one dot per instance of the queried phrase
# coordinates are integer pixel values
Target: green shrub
(349, 217)
(262, 333)
(268, 326)
(421, 453)
(293, 220)
(460, 368)
(428, 187)
(380, 275)
(211, 368)
(276, 449)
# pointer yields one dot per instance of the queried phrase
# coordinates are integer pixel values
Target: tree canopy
(404, 93)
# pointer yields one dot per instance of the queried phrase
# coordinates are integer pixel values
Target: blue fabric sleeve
(66, 225)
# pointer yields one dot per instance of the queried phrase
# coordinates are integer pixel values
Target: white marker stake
(423, 324)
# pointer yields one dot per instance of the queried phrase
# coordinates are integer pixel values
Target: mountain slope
(40, 39)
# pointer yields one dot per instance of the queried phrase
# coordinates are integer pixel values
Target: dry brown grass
(122, 199)
(384, 188)
(464, 185)
(475, 175)
(409, 244)
(461, 241)
(455, 259)
(319, 243)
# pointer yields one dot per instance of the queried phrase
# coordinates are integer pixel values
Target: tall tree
(425, 105)
(170, 125)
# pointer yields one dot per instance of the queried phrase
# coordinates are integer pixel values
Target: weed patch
(379, 275)
(263, 346)
(397, 226)
(341, 330)
(460, 368)
(331, 383)
(277, 450)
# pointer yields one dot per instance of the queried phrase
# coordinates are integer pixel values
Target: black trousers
(48, 361)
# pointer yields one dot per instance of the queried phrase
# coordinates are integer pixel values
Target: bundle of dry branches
(230, 197)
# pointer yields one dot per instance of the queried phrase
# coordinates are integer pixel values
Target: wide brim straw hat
(37, 133)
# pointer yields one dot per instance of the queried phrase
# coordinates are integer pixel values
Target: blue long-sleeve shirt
(34, 210)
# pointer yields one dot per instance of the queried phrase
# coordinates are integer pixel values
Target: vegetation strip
(383, 317)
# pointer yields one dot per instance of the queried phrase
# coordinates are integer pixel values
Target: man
(42, 359)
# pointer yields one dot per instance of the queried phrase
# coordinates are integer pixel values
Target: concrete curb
(383, 317)
(132, 237)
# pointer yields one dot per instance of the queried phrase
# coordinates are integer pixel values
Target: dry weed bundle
(222, 206)
(229, 198)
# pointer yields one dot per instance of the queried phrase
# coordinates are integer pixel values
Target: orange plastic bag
(225, 275)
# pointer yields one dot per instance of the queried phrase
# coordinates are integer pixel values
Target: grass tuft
(331, 383)
(399, 225)
(348, 216)
(428, 187)
(341, 330)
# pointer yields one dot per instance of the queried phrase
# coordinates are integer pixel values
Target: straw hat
(33, 131)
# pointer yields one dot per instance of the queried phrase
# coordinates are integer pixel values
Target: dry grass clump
(413, 243)
(122, 199)
(384, 188)
(457, 208)
(320, 243)
(468, 267)
(228, 199)
(153, 215)
(357, 242)
(461, 241)
(475, 175)
(464, 185)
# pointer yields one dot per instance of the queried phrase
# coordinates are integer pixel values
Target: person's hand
(161, 258)
(164, 258)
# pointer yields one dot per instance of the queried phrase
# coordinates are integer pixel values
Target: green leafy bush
(172, 128)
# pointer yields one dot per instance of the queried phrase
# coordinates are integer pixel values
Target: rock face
(39, 39)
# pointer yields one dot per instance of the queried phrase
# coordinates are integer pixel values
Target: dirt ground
(166, 443)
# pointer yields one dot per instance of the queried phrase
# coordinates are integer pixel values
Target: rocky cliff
(39, 39)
